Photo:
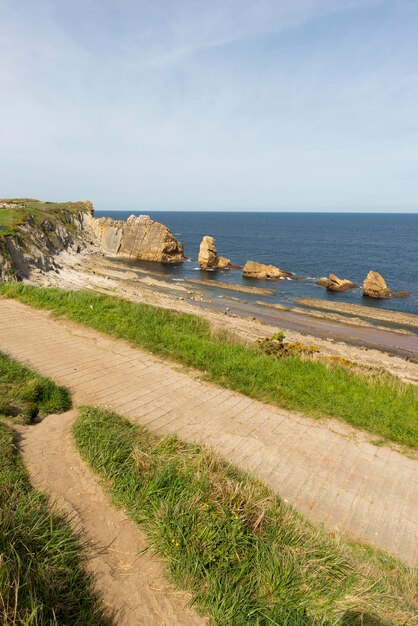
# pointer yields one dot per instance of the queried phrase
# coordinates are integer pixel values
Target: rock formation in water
(208, 258)
(374, 286)
(333, 283)
(252, 269)
(138, 238)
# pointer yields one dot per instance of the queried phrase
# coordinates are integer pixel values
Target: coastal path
(330, 472)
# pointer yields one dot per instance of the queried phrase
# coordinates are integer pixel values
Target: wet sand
(258, 291)
(405, 346)
(335, 317)
(386, 315)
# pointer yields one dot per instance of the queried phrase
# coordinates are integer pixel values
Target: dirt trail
(132, 585)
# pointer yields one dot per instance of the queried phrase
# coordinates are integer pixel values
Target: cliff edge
(40, 237)
(33, 234)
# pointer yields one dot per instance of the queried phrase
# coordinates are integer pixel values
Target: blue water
(308, 244)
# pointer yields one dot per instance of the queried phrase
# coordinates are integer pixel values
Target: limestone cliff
(138, 238)
(36, 236)
(33, 234)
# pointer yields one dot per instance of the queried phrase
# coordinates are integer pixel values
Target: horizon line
(302, 211)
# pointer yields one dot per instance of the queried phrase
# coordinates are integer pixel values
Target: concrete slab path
(328, 471)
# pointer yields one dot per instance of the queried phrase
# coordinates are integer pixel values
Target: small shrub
(277, 348)
(279, 336)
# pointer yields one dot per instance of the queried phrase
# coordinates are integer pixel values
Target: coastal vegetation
(15, 211)
(42, 576)
(245, 555)
(26, 395)
(379, 404)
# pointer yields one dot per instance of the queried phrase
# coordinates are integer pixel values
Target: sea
(308, 244)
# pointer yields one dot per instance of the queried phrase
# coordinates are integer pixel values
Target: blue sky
(221, 105)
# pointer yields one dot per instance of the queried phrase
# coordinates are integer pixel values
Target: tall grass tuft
(380, 405)
(42, 576)
(245, 555)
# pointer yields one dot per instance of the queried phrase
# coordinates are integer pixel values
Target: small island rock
(374, 286)
(333, 283)
(252, 269)
(208, 258)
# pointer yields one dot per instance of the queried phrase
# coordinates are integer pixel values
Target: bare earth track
(131, 584)
(327, 470)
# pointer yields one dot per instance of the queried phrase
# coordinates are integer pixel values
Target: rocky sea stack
(374, 286)
(208, 258)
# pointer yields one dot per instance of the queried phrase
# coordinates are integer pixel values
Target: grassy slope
(381, 405)
(42, 580)
(246, 556)
(14, 215)
(25, 395)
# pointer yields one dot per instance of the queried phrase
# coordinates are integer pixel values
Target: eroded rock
(322, 282)
(138, 238)
(333, 283)
(253, 269)
(374, 286)
(208, 258)
(223, 263)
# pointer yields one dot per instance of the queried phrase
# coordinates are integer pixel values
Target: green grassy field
(42, 577)
(245, 555)
(19, 209)
(379, 404)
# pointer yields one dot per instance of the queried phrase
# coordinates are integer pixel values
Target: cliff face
(138, 238)
(37, 233)
(33, 234)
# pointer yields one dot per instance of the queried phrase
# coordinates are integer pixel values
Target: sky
(275, 105)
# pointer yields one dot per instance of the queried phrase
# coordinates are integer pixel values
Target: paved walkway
(324, 469)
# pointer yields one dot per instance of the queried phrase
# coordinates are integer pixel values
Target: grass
(18, 209)
(26, 395)
(245, 555)
(381, 405)
(42, 575)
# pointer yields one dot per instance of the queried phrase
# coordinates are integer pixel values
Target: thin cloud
(205, 105)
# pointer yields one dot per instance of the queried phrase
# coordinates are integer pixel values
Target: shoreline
(382, 351)
(386, 315)
(335, 317)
